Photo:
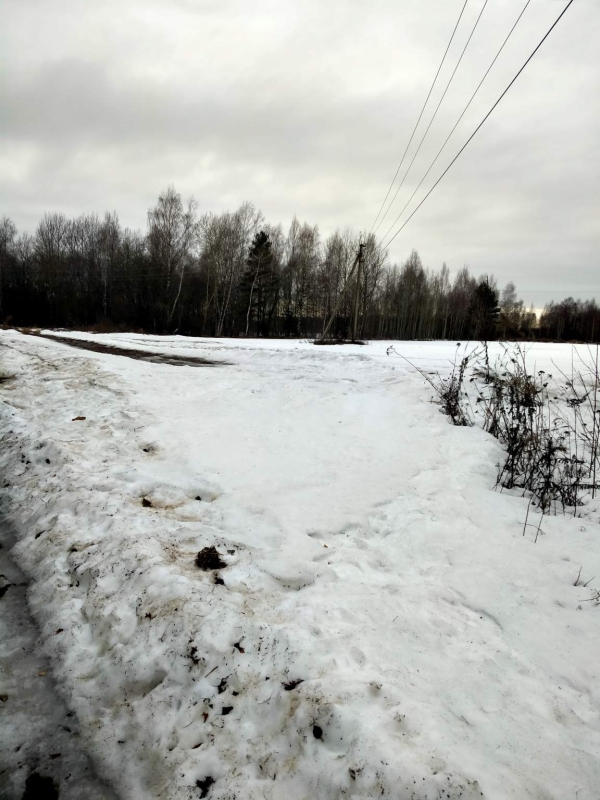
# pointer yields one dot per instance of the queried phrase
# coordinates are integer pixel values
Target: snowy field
(380, 628)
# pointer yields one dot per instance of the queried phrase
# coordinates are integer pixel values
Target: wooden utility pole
(339, 300)
(358, 265)
(361, 248)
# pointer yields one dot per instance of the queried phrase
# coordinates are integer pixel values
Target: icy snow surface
(441, 654)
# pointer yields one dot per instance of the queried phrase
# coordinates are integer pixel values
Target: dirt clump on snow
(204, 785)
(292, 684)
(38, 787)
(208, 559)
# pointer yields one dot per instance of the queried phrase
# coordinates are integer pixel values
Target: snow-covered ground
(441, 654)
(40, 753)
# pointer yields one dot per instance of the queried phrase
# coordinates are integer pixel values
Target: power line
(560, 291)
(460, 118)
(480, 124)
(434, 116)
(421, 114)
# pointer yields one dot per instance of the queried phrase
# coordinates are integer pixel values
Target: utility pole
(358, 265)
(339, 300)
(361, 248)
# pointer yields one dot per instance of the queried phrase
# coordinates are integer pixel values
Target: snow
(38, 736)
(441, 653)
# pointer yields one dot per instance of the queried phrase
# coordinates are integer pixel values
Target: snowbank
(380, 628)
(39, 738)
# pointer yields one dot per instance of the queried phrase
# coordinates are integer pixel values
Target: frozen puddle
(40, 754)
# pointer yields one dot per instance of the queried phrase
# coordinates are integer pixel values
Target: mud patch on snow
(138, 355)
(209, 559)
(204, 785)
(39, 787)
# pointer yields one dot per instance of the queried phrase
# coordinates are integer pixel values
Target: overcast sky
(305, 107)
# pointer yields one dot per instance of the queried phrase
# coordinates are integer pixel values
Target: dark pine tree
(259, 286)
(485, 310)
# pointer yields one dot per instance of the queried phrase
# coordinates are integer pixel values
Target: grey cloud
(305, 107)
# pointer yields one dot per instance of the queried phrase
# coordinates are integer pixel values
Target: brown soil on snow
(138, 355)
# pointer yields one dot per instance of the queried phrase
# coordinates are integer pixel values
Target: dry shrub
(550, 430)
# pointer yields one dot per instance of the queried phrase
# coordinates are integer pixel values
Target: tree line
(234, 274)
